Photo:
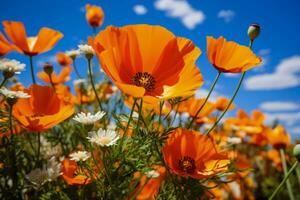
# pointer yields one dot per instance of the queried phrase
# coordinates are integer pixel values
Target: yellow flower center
(145, 80)
(187, 164)
(104, 140)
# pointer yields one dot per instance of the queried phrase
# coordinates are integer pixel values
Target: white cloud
(279, 106)
(226, 15)
(284, 76)
(140, 9)
(290, 118)
(202, 93)
(181, 9)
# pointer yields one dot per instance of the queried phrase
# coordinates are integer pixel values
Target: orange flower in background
(190, 153)
(274, 156)
(43, 110)
(31, 46)
(222, 103)
(5, 46)
(147, 190)
(145, 60)
(63, 59)
(94, 15)
(72, 174)
(229, 56)
(63, 77)
(84, 95)
(278, 137)
(245, 124)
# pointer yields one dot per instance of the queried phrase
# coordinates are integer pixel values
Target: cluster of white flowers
(78, 82)
(152, 174)
(234, 140)
(80, 156)
(88, 118)
(73, 53)
(86, 49)
(103, 137)
(11, 65)
(47, 173)
(14, 94)
(48, 150)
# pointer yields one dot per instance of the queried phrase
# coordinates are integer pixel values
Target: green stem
(283, 181)
(32, 70)
(161, 104)
(207, 97)
(38, 149)
(298, 174)
(3, 82)
(127, 126)
(92, 82)
(75, 69)
(285, 170)
(229, 104)
(140, 113)
(13, 152)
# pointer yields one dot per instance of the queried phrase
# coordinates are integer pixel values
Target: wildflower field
(131, 127)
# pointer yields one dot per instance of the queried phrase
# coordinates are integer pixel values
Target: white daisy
(234, 140)
(103, 137)
(14, 94)
(73, 53)
(152, 174)
(80, 156)
(88, 118)
(78, 82)
(86, 49)
(11, 65)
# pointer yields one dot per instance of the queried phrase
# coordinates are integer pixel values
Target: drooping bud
(48, 68)
(253, 31)
(8, 74)
(296, 151)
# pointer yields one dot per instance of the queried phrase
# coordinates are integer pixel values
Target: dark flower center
(145, 80)
(187, 164)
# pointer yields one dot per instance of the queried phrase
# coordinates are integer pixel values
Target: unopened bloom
(103, 137)
(88, 118)
(14, 94)
(8, 65)
(234, 140)
(80, 156)
(94, 15)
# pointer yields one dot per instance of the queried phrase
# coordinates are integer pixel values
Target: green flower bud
(296, 151)
(48, 68)
(253, 31)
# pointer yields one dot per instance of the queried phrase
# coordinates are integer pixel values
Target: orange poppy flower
(63, 59)
(145, 60)
(222, 103)
(63, 77)
(245, 124)
(31, 46)
(5, 46)
(229, 56)
(147, 190)
(84, 95)
(278, 137)
(72, 174)
(94, 15)
(190, 153)
(274, 156)
(42, 110)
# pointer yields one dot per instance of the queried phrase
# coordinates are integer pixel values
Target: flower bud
(8, 74)
(48, 68)
(253, 31)
(296, 151)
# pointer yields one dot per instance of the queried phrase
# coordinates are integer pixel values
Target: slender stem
(285, 170)
(13, 152)
(140, 113)
(207, 97)
(76, 70)
(51, 82)
(298, 173)
(92, 82)
(3, 82)
(94, 31)
(32, 70)
(283, 181)
(229, 104)
(38, 149)
(161, 104)
(127, 126)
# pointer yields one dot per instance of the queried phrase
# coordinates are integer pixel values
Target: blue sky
(274, 87)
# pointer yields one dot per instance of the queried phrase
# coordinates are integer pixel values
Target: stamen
(145, 80)
(187, 164)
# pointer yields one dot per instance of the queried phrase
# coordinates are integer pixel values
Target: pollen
(187, 164)
(145, 80)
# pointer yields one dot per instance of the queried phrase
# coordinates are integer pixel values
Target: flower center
(104, 140)
(145, 80)
(187, 164)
